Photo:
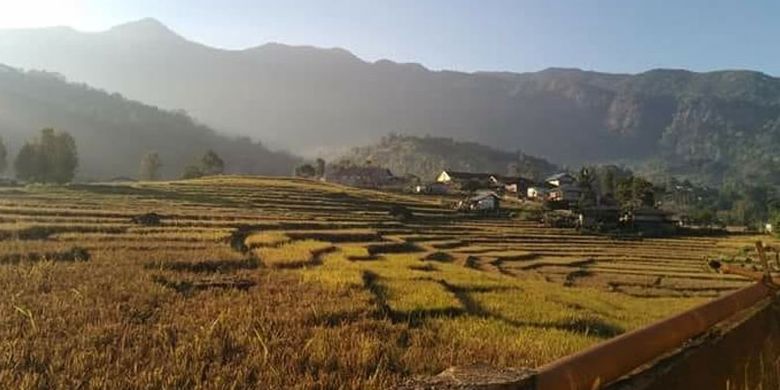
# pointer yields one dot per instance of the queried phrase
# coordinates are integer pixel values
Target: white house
(566, 193)
(563, 188)
(561, 179)
(462, 178)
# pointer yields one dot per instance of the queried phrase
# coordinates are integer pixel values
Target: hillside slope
(113, 134)
(425, 157)
(710, 126)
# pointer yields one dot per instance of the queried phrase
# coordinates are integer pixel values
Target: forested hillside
(425, 157)
(113, 133)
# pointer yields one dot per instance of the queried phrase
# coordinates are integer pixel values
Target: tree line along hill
(113, 134)
(425, 157)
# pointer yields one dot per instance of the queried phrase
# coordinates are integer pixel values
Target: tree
(305, 170)
(3, 156)
(585, 181)
(191, 172)
(51, 158)
(607, 183)
(150, 167)
(703, 216)
(319, 168)
(752, 208)
(28, 163)
(774, 215)
(513, 169)
(634, 192)
(212, 164)
(472, 185)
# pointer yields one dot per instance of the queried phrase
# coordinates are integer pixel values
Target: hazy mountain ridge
(113, 133)
(315, 100)
(425, 157)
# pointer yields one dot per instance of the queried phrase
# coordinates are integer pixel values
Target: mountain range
(711, 127)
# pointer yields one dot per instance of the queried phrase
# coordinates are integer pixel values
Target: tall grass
(333, 293)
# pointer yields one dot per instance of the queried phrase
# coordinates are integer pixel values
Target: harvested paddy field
(276, 283)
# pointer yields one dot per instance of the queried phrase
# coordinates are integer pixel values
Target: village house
(563, 187)
(512, 184)
(465, 179)
(472, 181)
(567, 194)
(432, 189)
(482, 203)
(360, 176)
(538, 193)
(561, 179)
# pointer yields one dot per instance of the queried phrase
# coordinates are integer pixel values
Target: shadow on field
(44, 232)
(379, 293)
(394, 247)
(364, 258)
(589, 324)
(204, 266)
(107, 189)
(443, 257)
(428, 267)
(72, 255)
(187, 287)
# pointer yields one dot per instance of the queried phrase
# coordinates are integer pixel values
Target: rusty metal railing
(604, 363)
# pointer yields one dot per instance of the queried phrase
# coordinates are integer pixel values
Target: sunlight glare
(40, 13)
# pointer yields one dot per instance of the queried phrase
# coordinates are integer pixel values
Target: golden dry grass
(288, 283)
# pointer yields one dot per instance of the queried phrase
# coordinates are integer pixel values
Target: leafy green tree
(585, 181)
(319, 168)
(51, 158)
(703, 216)
(305, 170)
(3, 156)
(608, 182)
(752, 206)
(774, 215)
(513, 169)
(472, 185)
(28, 165)
(635, 192)
(61, 156)
(212, 164)
(191, 172)
(150, 167)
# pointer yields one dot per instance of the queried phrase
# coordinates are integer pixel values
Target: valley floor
(279, 283)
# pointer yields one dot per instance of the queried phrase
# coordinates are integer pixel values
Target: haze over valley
(405, 194)
(322, 102)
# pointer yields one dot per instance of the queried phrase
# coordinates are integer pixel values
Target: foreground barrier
(607, 362)
(743, 353)
(732, 342)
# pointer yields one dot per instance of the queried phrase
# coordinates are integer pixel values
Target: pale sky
(515, 35)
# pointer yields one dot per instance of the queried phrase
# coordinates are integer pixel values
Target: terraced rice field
(278, 283)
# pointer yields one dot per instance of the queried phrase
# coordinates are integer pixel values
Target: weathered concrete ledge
(742, 352)
(480, 377)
